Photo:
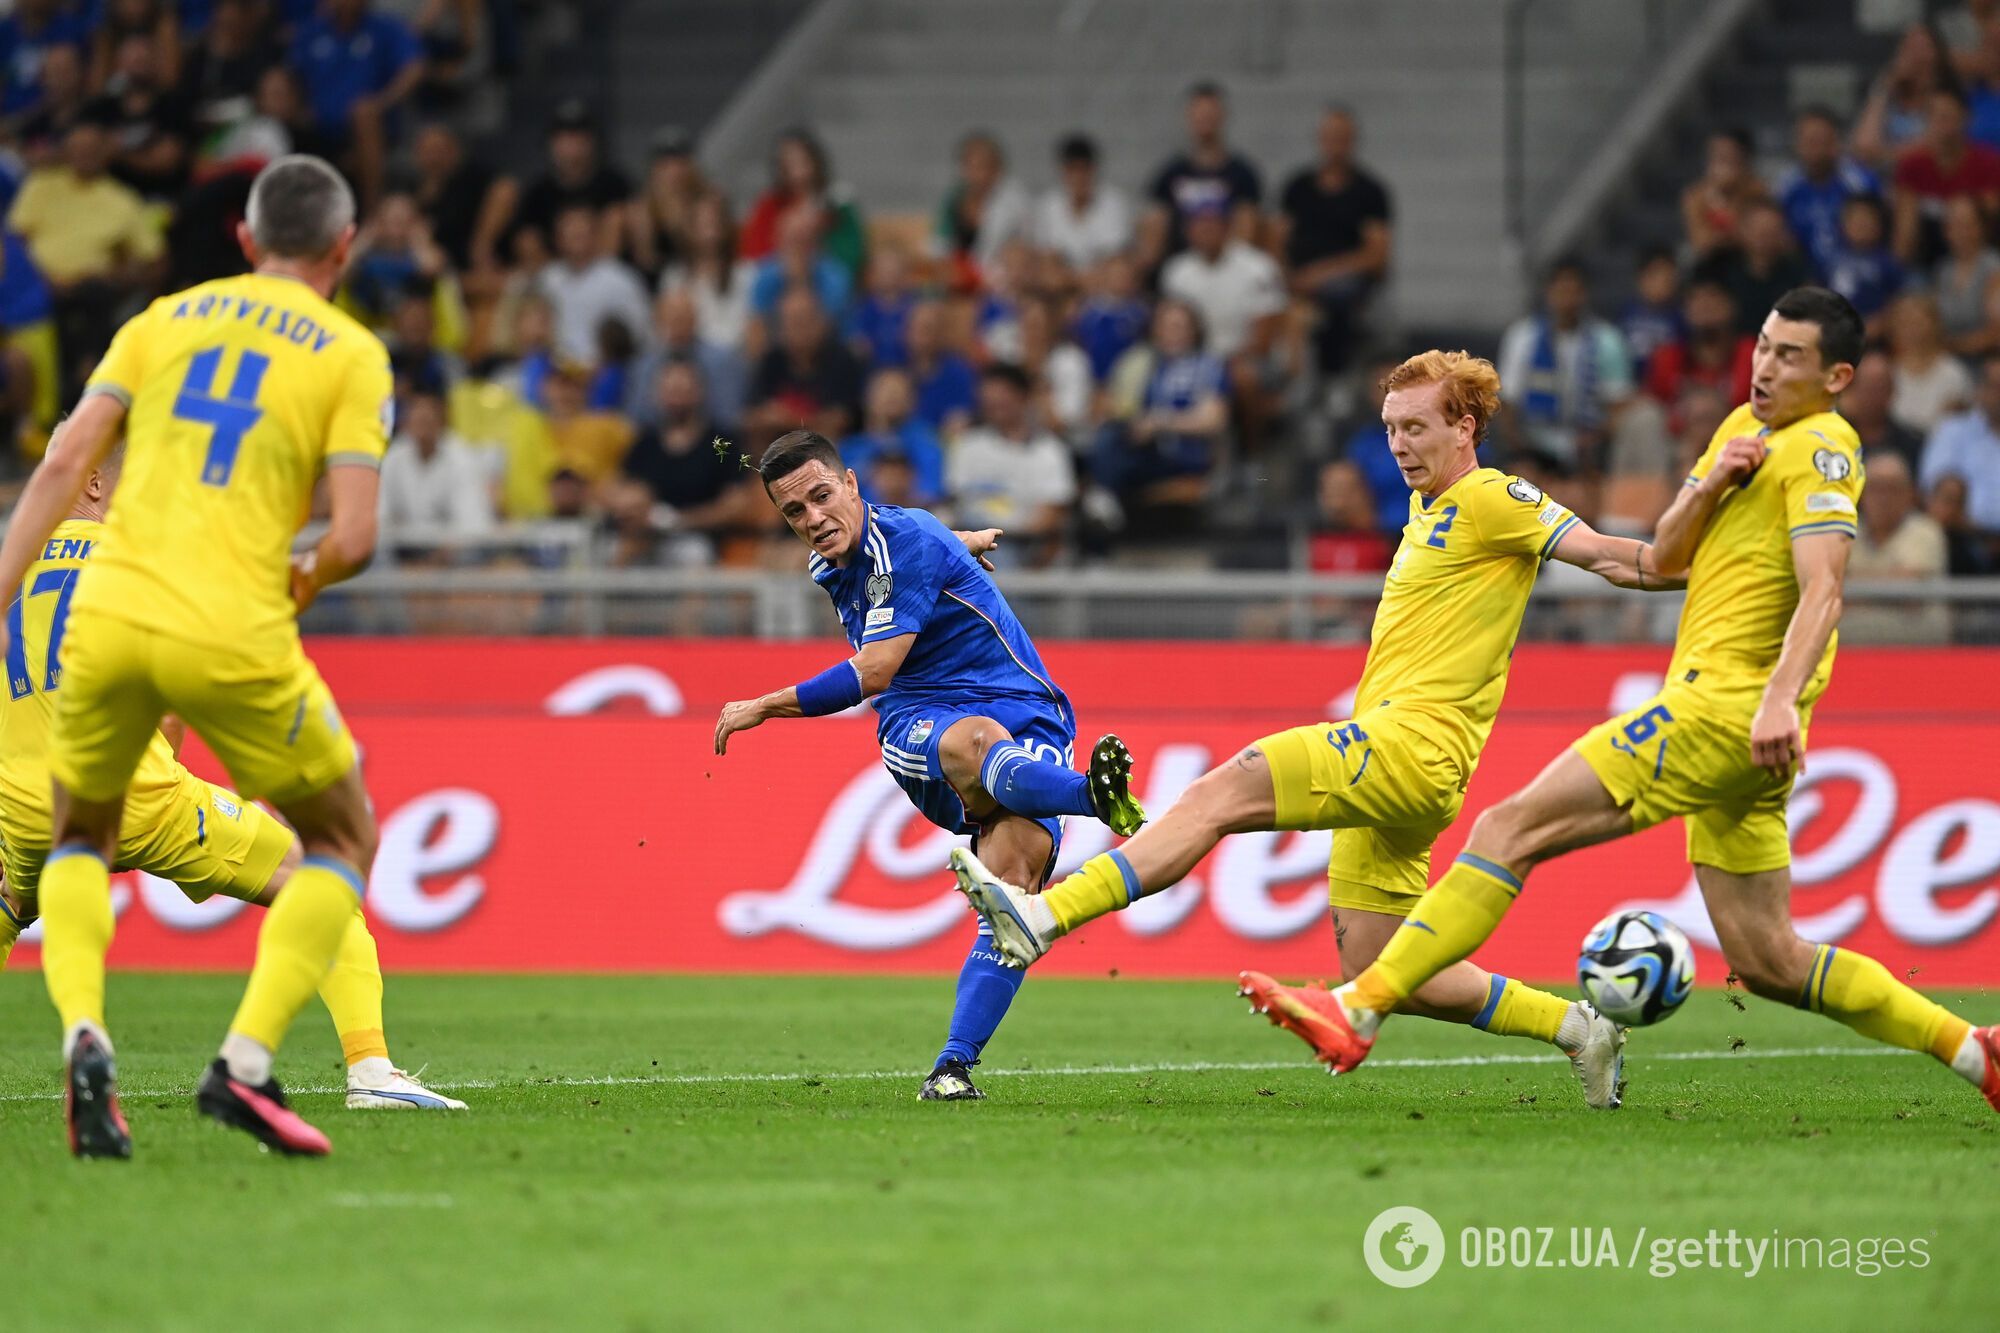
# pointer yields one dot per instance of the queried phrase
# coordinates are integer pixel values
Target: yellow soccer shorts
(1686, 752)
(204, 838)
(269, 718)
(1384, 787)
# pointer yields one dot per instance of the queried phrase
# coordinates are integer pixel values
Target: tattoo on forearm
(1639, 563)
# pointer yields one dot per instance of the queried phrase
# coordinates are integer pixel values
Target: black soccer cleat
(951, 1081)
(90, 1101)
(260, 1112)
(1111, 787)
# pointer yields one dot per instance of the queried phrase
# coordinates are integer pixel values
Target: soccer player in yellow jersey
(1763, 529)
(1392, 778)
(202, 837)
(235, 397)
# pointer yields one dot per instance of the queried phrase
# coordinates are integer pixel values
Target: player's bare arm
(1625, 562)
(75, 450)
(349, 543)
(1820, 563)
(1680, 528)
(977, 544)
(872, 669)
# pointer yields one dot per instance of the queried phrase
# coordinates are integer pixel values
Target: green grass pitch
(691, 1152)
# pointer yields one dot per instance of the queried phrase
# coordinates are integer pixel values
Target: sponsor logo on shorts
(225, 807)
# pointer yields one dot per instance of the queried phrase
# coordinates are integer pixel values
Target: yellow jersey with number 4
(1742, 588)
(35, 623)
(1452, 604)
(239, 392)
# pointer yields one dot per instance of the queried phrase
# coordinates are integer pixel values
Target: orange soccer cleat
(1989, 1041)
(1314, 1014)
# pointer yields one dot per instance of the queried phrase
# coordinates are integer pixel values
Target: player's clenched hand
(739, 716)
(1738, 459)
(977, 544)
(1775, 742)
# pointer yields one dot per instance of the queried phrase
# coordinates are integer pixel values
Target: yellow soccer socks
(1514, 1009)
(352, 990)
(76, 935)
(1103, 885)
(1451, 921)
(302, 933)
(1860, 992)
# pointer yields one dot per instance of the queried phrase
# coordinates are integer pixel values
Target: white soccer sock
(1970, 1062)
(77, 1029)
(372, 1071)
(1365, 1021)
(249, 1061)
(1575, 1028)
(1042, 918)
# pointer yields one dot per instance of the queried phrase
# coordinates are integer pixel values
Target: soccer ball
(1636, 968)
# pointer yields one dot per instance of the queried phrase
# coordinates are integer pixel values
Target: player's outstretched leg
(981, 760)
(987, 983)
(1753, 924)
(1111, 786)
(1233, 798)
(1461, 993)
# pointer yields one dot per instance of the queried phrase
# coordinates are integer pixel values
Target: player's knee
(1768, 967)
(1230, 798)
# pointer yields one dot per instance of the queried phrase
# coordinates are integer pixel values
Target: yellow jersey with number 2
(239, 393)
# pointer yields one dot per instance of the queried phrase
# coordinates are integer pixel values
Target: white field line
(1052, 1071)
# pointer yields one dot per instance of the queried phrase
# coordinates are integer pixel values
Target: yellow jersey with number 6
(1742, 588)
(239, 393)
(1452, 604)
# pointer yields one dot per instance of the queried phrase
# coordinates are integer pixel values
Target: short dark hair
(1076, 148)
(1007, 373)
(1570, 266)
(1206, 88)
(1653, 254)
(1739, 135)
(299, 205)
(1818, 111)
(788, 453)
(1841, 334)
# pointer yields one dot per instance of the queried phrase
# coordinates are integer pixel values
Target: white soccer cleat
(1600, 1062)
(1022, 925)
(376, 1085)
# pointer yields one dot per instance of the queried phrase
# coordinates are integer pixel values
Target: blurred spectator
(1966, 280)
(1864, 269)
(63, 101)
(1563, 372)
(1239, 294)
(590, 443)
(662, 224)
(153, 135)
(1113, 317)
(944, 380)
(28, 329)
(996, 319)
(1931, 383)
(800, 262)
(1333, 234)
(881, 318)
(1763, 267)
(90, 237)
(1897, 541)
(433, 484)
(1899, 104)
(1346, 536)
(678, 483)
(1965, 449)
(1059, 371)
(456, 45)
(889, 430)
(1083, 220)
(713, 276)
(577, 177)
(982, 212)
(1367, 447)
(394, 248)
(153, 24)
(465, 203)
(220, 71)
(808, 377)
(892, 480)
(1652, 318)
(584, 287)
(677, 339)
(1979, 71)
(1818, 183)
(1865, 404)
(1941, 166)
(27, 35)
(414, 354)
(531, 342)
(357, 66)
(800, 174)
(1207, 169)
(1010, 472)
(1961, 30)
(1713, 207)
(1168, 440)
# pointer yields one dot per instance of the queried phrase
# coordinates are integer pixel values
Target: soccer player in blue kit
(971, 726)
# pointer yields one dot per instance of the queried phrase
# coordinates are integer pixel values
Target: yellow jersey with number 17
(1742, 588)
(1452, 605)
(239, 393)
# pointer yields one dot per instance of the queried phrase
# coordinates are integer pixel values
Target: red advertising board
(556, 805)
